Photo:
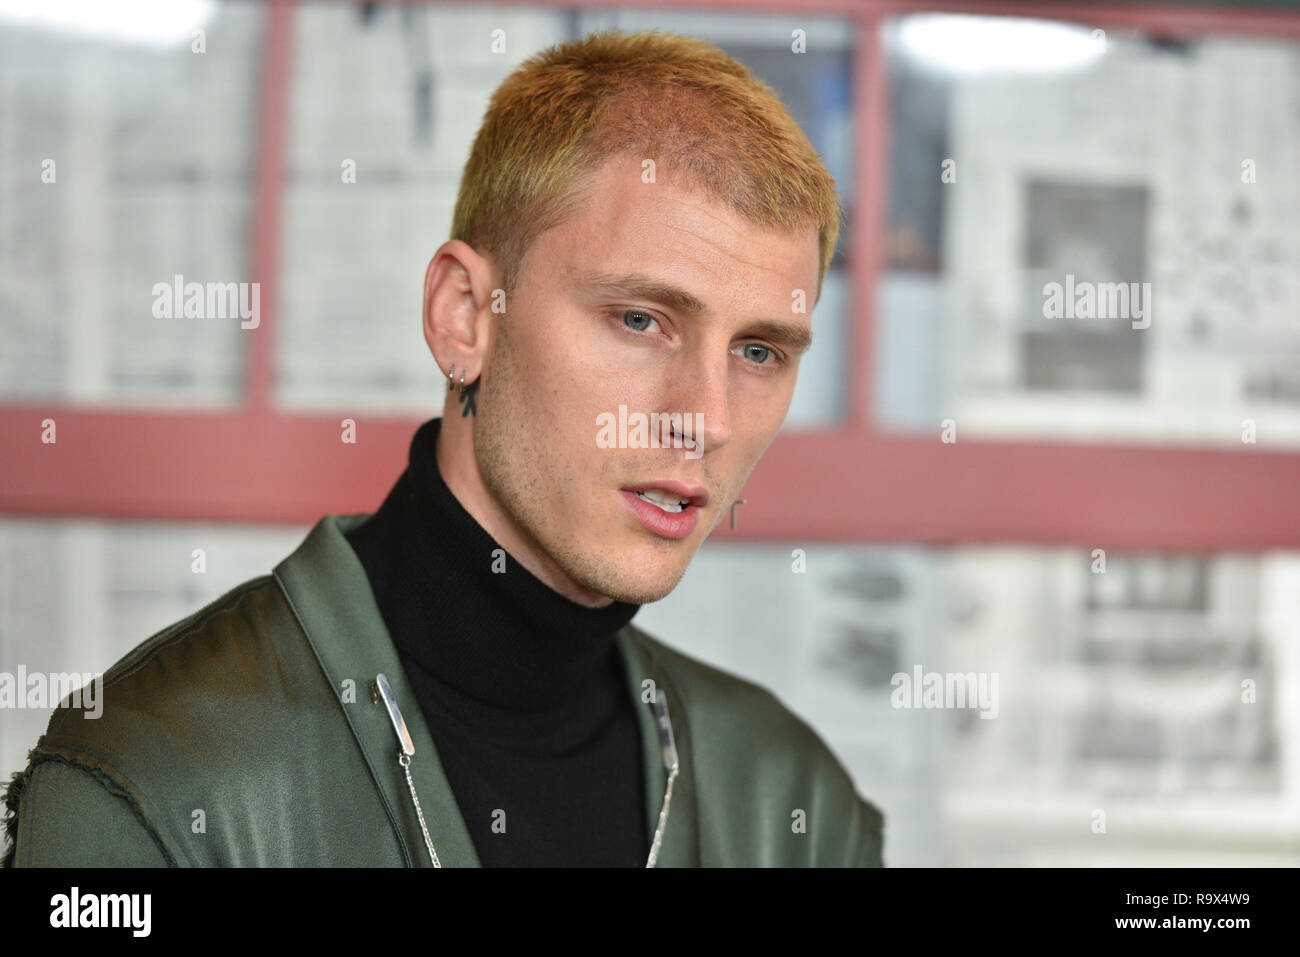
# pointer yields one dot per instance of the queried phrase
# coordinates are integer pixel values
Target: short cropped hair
(702, 116)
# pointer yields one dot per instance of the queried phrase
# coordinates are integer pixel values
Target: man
(455, 680)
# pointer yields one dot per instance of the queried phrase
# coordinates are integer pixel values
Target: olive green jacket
(248, 734)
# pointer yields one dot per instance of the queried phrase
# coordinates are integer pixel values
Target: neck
(508, 638)
(458, 465)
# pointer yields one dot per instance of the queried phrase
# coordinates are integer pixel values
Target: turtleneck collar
(505, 638)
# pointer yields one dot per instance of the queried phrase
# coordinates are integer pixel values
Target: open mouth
(665, 513)
(666, 501)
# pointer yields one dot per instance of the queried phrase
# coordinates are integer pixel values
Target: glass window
(1091, 236)
(128, 150)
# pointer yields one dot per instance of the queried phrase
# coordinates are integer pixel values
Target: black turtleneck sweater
(522, 688)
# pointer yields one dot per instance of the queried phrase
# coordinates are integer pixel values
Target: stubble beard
(515, 466)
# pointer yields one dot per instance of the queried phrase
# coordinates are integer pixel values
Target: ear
(457, 296)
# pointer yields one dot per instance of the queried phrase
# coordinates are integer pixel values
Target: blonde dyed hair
(701, 115)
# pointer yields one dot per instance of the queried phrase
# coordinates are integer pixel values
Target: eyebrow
(792, 336)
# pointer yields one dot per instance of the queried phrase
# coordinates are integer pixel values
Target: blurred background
(1103, 513)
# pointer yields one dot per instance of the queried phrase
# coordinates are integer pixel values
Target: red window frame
(849, 484)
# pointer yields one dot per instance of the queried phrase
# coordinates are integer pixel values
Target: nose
(703, 397)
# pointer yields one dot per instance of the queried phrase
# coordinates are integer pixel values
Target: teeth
(665, 500)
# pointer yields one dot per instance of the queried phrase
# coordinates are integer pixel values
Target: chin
(641, 584)
(641, 595)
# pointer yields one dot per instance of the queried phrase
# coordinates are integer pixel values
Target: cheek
(765, 407)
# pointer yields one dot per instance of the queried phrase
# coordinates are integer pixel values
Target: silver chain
(381, 691)
(405, 761)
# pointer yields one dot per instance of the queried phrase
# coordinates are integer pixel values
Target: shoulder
(186, 671)
(709, 691)
(192, 700)
(240, 616)
(196, 681)
(158, 721)
(196, 726)
(720, 700)
(752, 754)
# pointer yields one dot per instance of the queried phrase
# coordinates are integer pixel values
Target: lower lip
(667, 524)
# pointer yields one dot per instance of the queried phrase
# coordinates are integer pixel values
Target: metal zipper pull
(382, 690)
(668, 750)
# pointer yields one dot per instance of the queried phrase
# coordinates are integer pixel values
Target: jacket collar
(327, 588)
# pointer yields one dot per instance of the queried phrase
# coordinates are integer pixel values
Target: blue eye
(632, 312)
(765, 352)
(635, 320)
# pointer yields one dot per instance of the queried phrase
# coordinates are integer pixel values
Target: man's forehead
(619, 211)
(623, 186)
